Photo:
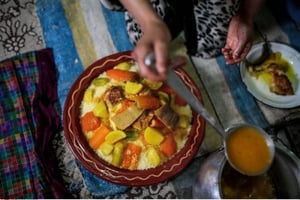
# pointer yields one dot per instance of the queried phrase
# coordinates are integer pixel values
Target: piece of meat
(281, 85)
(127, 117)
(114, 95)
(273, 68)
(167, 116)
(143, 121)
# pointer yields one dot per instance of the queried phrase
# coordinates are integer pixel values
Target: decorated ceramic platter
(126, 129)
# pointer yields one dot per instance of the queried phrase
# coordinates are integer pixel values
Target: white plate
(261, 91)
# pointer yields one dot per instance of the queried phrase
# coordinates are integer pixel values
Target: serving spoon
(180, 88)
(255, 61)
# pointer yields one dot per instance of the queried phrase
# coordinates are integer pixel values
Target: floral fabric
(19, 28)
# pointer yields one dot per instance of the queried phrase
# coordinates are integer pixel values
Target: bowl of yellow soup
(127, 129)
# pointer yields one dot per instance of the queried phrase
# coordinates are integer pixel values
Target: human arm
(240, 32)
(156, 37)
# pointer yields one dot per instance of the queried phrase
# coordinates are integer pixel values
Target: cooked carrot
(99, 136)
(90, 122)
(125, 104)
(131, 156)
(147, 102)
(168, 146)
(121, 75)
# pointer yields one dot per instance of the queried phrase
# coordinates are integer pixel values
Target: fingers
(238, 42)
(139, 54)
(162, 59)
(226, 52)
(233, 57)
(241, 50)
(228, 55)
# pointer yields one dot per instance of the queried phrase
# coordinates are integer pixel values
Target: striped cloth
(82, 35)
(80, 32)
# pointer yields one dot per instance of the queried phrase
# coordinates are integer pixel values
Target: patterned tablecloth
(71, 35)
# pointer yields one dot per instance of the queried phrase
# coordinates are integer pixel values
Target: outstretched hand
(156, 38)
(239, 40)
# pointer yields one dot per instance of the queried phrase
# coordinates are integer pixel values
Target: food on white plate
(131, 122)
(277, 73)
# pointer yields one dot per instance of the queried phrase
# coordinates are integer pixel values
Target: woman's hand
(156, 38)
(239, 40)
(240, 32)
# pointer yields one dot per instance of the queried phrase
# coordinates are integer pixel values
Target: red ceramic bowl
(92, 162)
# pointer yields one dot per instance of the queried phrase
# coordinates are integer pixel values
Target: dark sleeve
(112, 5)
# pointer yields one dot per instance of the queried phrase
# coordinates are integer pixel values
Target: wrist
(152, 20)
(248, 20)
(248, 10)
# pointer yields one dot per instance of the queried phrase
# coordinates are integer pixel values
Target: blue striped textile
(245, 102)
(115, 20)
(54, 23)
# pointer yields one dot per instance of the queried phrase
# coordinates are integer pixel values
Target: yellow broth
(247, 150)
